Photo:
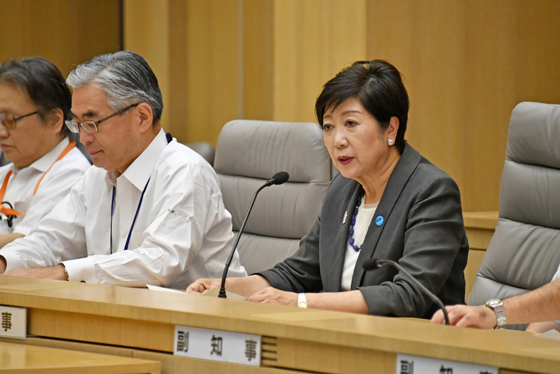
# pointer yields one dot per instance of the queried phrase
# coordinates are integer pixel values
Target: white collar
(141, 168)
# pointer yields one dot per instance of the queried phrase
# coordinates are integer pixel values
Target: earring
(390, 142)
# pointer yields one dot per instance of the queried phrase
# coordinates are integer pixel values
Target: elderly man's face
(32, 138)
(115, 146)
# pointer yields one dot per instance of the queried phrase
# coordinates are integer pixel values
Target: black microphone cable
(277, 179)
(374, 263)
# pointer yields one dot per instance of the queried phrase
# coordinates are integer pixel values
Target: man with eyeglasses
(149, 212)
(34, 103)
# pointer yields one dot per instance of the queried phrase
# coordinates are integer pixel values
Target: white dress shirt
(556, 275)
(183, 231)
(53, 188)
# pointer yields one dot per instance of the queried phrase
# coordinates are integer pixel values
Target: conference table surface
(297, 339)
(17, 358)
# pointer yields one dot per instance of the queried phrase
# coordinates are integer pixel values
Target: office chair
(250, 152)
(524, 252)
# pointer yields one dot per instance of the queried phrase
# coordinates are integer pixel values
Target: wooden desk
(18, 358)
(480, 227)
(297, 340)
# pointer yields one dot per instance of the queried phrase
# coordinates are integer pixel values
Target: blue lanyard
(169, 138)
(133, 221)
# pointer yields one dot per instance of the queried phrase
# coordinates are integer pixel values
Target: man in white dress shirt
(34, 103)
(149, 212)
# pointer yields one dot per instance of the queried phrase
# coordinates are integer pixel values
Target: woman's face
(31, 139)
(355, 141)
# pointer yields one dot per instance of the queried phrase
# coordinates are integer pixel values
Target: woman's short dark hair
(43, 83)
(377, 85)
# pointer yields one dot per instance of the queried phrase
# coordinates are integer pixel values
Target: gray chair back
(524, 252)
(250, 152)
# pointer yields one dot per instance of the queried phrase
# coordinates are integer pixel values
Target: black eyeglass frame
(75, 126)
(15, 119)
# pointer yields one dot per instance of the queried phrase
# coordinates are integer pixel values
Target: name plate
(13, 322)
(217, 345)
(407, 364)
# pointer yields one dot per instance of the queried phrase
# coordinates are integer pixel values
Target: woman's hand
(272, 295)
(202, 285)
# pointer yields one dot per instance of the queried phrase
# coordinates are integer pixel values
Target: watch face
(302, 304)
(493, 303)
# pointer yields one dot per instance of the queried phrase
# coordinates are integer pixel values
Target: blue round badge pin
(379, 220)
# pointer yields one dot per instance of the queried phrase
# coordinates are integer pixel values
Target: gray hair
(125, 77)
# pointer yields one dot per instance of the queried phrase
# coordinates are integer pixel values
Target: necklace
(353, 222)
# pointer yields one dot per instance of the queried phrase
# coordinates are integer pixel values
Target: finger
(192, 287)
(437, 317)
(200, 285)
(470, 318)
(467, 321)
(257, 297)
(457, 313)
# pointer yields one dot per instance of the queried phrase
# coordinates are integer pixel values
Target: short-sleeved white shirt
(53, 188)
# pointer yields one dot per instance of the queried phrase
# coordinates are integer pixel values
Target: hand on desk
(255, 288)
(273, 295)
(239, 285)
(53, 272)
(467, 316)
(202, 285)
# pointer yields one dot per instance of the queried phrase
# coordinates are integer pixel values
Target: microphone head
(279, 178)
(372, 264)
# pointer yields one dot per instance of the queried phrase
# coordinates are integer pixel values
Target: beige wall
(223, 60)
(67, 32)
(466, 62)
(466, 65)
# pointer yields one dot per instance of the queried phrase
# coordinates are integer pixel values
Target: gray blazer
(423, 231)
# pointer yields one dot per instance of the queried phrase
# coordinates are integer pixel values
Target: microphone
(374, 263)
(277, 179)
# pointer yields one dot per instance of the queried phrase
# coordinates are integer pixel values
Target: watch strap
(302, 301)
(497, 305)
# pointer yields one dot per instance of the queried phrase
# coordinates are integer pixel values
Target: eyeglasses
(92, 126)
(9, 121)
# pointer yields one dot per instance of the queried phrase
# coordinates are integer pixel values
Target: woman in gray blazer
(388, 202)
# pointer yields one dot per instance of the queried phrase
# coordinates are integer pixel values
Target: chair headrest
(254, 148)
(534, 135)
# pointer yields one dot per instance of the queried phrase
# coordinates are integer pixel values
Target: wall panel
(146, 31)
(313, 40)
(67, 32)
(467, 64)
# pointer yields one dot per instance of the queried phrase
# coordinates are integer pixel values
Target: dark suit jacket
(423, 231)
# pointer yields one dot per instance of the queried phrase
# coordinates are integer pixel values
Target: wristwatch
(497, 305)
(302, 301)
